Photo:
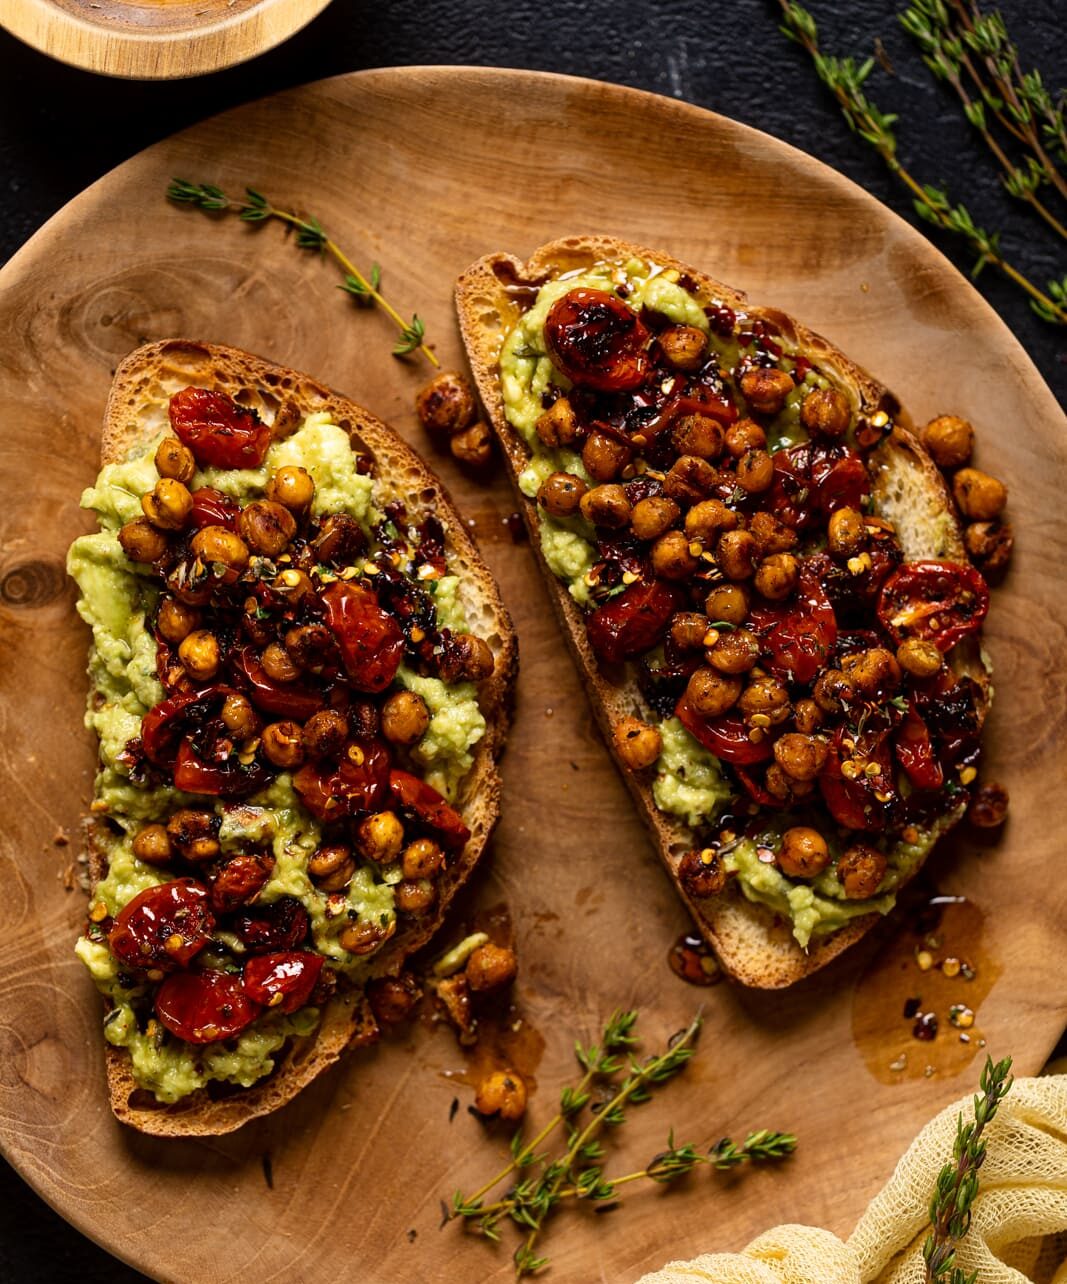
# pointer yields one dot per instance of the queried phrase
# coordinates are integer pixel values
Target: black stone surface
(60, 129)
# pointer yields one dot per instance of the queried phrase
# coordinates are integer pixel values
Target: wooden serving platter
(423, 170)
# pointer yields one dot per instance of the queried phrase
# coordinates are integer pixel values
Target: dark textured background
(60, 129)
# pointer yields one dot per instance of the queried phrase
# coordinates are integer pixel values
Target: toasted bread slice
(753, 944)
(137, 411)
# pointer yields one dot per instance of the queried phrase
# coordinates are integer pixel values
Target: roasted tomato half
(163, 927)
(811, 481)
(939, 602)
(283, 699)
(358, 782)
(597, 341)
(165, 724)
(915, 753)
(633, 622)
(284, 980)
(212, 508)
(204, 1007)
(725, 736)
(282, 925)
(427, 805)
(219, 432)
(862, 802)
(224, 776)
(371, 642)
(797, 639)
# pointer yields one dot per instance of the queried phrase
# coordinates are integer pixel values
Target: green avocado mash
(115, 600)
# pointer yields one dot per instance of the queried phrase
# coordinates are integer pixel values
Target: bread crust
(136, 411)
(753, 944)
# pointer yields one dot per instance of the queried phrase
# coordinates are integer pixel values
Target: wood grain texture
(155, 39)
(402, 167)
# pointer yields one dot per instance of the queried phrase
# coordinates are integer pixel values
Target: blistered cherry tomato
(164, 725)
(939, 602)
(239, 881)
(282, 925)
(812, 481)
(163, 927)
(357, 782)
(855, 803)
(797, 639)
(597, 341)
(371, 642)
(204, 1007)
(283, 980)
(632, 623)
(219, 432)
(915, 753)
(212, 508)
(284, 699)
(415, 795)
(228, 779)
(725, 736)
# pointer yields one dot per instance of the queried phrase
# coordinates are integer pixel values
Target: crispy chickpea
(872, 672)
(736, 554)
(292, 487)
(776, 576)
(701, 873)
(989, 544)
(422, 859)
(698, 435)
(708, 519)
(473, 446)
(331, 867)
(339, 540)
(735, 652)
(467, 658)
(415, 897)
(826, 412)
(175, 620)
(293, 585)
(653, 516)
(152, 845)
(405, 718)
(168, 505)
(989, 806)
(606, 506)
(603, 457)
(711, 693)
(807, 717)
(743, 436)
(949, 439)
(979, 496)
(141, 541)
(560, 494)
(801, 757)
(766, 390)
(217, 544)
(503, 1093)
(365, 938)
(803, 853)
(860, 870)
(325, 734)
(380, 837)
(310, 646)
(689, 480)
(728, 603)
(200, 655)
(637, 743)
(919, 658)
(832, 691)
(253, 624)
(684, 346)
(238, 716)
(772, 535)
(755, 471)
(688, 629)
(445, 405)
(845, 533)
(558, 426)
(672, 558)
(175, 460)
(266, 527)
(393, 999)
(278, 663)
(283, 743)
(765, 698)
(491, 967)
(785, 787)
(193, 833)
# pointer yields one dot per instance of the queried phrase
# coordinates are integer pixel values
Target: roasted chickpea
(380, 837)
(701, 873)
(637, 743)
(603, 457)
(807, 717)
(325, 734)
(606, 506)
(755, 471)
(175, 620)
(990, 545)
(684, 346)
(688, 629)
(503, 1093)
(365, 938)
(168, 505)
(445, 405)
(194, 834)
(872, 672)
(727, 603)
(989, 806)
(339, 540)
(689, 480)
(803, 853)
(466, 658)
(473, 446)
(737, 554)
(801, 757)
(919, 658)
(949, 440)
(776, 576)
(422, 859)
(152, 845)
(711, 693)
(393, 999)
(238, 716)
(415, 897)
(826, 412)
(765, 702)
(743, 436)
(405, 718)
(292, 487)
(784, 787)
(845, 533)
(860, 870)
(560, 494)
(278, 663)
(735, 652)
(698, 435)
(653, 516)
(200, 655)
(255, 623)
(771, 535)
(217, 544)
(266, 527)
(765, 390)
(672, 558)
(331, 867)
(310, 646)
(979, 496)
(141, 541)
(708, 519)
(558, 426)
(293, 585)
(833, 691)
(283, 743)
(491, 967)
(175, 460)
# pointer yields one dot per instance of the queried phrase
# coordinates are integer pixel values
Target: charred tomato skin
(370, 640)
(429, 808)
(219, 432)
(204, 1007)
(939, 602)
(633, 622)
(163, 927)
(358, 782)
(282, 925)
(726, 736)
(597, 341)
(283, 980)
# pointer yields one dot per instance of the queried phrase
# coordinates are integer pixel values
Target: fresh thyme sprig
(254, 207)
(578, 1171)
(957, 1183)
(845, 79)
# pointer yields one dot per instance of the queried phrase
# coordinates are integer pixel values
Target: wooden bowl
(155, 39)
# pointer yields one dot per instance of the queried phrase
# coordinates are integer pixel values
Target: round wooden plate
(423, 170)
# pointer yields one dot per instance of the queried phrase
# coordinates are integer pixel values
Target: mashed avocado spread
(116, 597)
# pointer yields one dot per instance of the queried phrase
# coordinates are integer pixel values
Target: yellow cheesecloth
(1018, 1233)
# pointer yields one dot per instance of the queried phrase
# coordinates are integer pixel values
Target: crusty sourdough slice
(753, 944)
(136, 411)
